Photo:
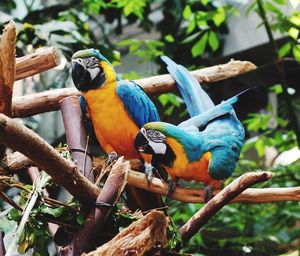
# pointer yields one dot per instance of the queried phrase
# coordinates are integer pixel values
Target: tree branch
(219, 201)
(138, 238)
(76, 135)
(35, 63)
(15, 162)
(86, 239)
(63, 171)
(7, 71)
(49, 101)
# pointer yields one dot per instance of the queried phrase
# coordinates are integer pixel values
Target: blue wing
(195, 98)
(137, 104)
(87, 120)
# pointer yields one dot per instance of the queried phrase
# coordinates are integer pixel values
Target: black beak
(81, 77)
(141, 144)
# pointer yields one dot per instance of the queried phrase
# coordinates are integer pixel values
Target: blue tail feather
(196, 99)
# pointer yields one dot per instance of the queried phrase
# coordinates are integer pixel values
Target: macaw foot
(112, 156)
(171, 187)
(149, 169)
(208, 193)
(101, 205)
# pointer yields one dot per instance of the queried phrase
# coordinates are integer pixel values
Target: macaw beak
(141, 144)
(80, 75)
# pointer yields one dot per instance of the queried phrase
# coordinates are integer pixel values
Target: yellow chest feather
(114, 128)
(185, 170)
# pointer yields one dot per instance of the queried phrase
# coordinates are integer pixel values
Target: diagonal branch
(49, 101)
(63, 172)
(219, 201)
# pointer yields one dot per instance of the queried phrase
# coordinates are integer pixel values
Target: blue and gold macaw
(116, 109)
(204, 148)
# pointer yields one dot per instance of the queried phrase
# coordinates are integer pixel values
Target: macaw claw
(208, 193)
(112, 156)
(171, 187)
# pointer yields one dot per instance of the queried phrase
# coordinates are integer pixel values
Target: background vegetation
(193, 35)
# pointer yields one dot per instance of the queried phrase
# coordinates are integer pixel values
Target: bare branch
(138, 238)
(76, 135)
(220, 200)
(86, 239)
(7, 71)
(49, 101)
(35, 63)
(15, 162)
(63, 172)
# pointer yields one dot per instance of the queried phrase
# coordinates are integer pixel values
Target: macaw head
(152, 139)
(90, 70)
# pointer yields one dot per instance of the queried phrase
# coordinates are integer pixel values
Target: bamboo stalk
(49, 101)
(35, 63)
(189, 229)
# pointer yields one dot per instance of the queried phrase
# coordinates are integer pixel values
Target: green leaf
(7, 225)
(280, 2)
(213, 41)
(80, 219)
(169, 38)
(219, 17)
(187, 12)
(260, 147)
(191, 38)
(285, 49)
(191, 26)
(200, 46)
(273, 8)
(277, 88)
(56, 212)
(296, 52)
(14, 214)
(293, 33)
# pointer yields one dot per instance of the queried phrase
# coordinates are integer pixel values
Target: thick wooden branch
(35, 63)
(220, 200)
(76, 135)
(7, 71)
(15, 162)
(138, 238)
(49, 101)
(63, 171)
(7, 67)
(88, 237)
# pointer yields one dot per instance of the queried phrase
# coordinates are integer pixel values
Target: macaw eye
(156, 134)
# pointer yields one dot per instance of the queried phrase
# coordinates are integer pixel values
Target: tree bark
(189, 229)
(35, 63)
(76, 136)
(7, 71)
(138, 238)
(86, 239)
(63, 171)
(15, 162)
(49, 101)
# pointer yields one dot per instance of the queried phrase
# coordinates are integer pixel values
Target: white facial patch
(93, 72)
(158, 147)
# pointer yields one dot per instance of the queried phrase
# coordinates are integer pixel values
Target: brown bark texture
(43, 59)
(49, 101)
(138, 238)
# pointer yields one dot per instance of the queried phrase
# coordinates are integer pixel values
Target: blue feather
(137, 103)
(195, 98)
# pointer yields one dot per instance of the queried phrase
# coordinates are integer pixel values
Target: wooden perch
(138, 238)
(35, 63)
(63, 171)
(15, 162)
(76, 135)
(251, 195)
(220, 200)
(86, 239)
(49, 101)
(7, 71)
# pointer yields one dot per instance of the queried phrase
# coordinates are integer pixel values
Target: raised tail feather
(195, 98)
